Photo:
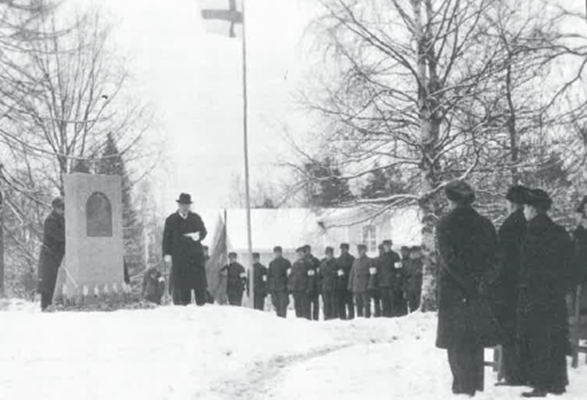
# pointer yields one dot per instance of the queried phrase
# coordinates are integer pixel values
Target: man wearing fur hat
(510, 239)
(182, 251)
(545, 276)
(467, 245)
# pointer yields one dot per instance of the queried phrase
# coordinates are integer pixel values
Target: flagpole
(246, 150)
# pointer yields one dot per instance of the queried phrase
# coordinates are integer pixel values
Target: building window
(370, 238)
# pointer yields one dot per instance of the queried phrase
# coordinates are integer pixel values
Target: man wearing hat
(467, 246)
(510, 236)
(545, 276)
(328, 279)
(182, 251)
(386, 272)
(236, 280)
(260, 280)
(313, 265)
(52, 252)
(297, 284)
(344, 298)
(279, 269)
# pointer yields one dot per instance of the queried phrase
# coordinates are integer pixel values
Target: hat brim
(184, 202)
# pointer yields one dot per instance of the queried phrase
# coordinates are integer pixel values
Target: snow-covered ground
(218, 353)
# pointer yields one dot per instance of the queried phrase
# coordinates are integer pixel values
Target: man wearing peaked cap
(546, 274)
(510, 236)
(279, 270)
(344, 298)
(182, 250)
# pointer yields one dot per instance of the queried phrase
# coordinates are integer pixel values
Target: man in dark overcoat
(182, 250)
(344, 298)
(313, 264)
(545, 276)
(510, 240)
(386, 278)
(260, 280)
(359, 282)
(52, 252)
(236, 280)
(374, 291)
(467, 246)
(298, 284)
(328, 279)
(279, 269)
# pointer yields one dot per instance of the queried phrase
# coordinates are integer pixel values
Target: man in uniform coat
(374, 291)
(359, 282)
(260, 280)
(236, 280)
(510, 240)
(279, 270)
(467, 245)
(182, 249)
(386, 278)
(344, 298)
(328, 278)
(313, 264)
(545, 276)
(52, 252)
(414, 279)
(298, 284)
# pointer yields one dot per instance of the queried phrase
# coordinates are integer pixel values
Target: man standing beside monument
(182, 250)
(52, 252)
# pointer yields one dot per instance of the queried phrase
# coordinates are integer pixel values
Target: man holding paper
(182, 251)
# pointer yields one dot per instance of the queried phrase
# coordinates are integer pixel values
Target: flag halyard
(223, 17)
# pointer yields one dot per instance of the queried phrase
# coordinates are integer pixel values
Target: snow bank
(218, 353)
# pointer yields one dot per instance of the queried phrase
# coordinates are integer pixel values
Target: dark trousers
(301, 304)
(280, 300)
(183, 297)
(386, 302)
(413, 299)
(466, 363)
(346, 306)
(513, 367)
(329, 300)
(259, 301)
(399, 305)
(235, 298)
(376, 297)
(314, 306)
(363, 304)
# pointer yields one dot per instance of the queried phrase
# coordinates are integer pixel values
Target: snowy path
(224, 353)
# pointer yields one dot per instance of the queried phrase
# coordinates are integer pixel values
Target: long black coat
(386, 270)
(344, 264)
(236, 280)
(260, 279)
(277, 275)
(328, 277)
(188, 264)
(313, 277)
(510, 236)
(545, 276)
(52, 251)
(580, 254)
(467, 246)
(298, 278)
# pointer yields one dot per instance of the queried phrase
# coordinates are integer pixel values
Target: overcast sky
(193, 80)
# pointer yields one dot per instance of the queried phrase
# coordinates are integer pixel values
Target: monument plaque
(93, 232)
(99, 216)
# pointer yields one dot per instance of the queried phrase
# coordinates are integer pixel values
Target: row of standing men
(388, 285)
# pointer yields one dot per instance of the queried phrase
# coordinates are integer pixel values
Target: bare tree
(418, 85)
(73, 93)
